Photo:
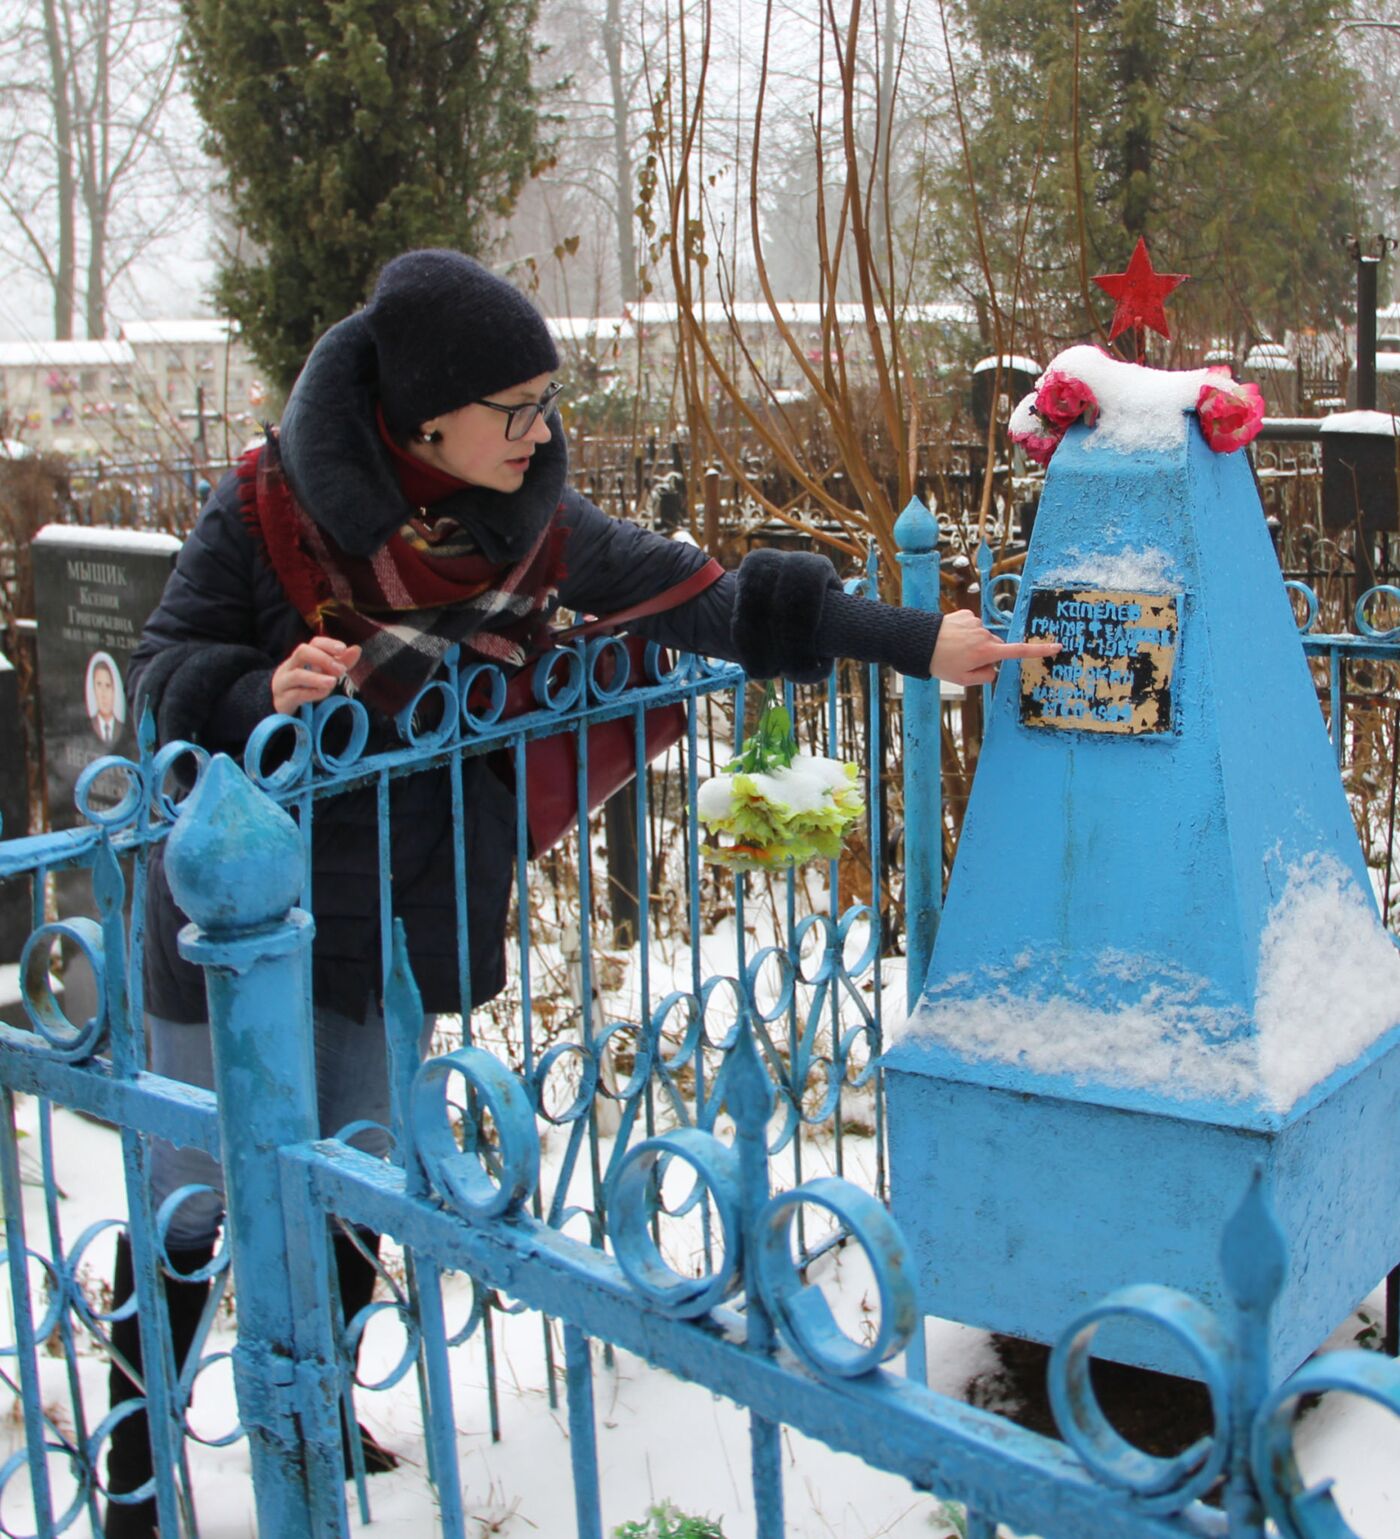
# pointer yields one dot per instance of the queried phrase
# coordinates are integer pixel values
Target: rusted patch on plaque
(1114, 669)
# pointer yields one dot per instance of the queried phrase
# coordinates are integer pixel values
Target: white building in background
(147, 393)
(50, 393)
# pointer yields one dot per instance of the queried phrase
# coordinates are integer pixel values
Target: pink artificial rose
(1231, 414)
(1038, 446)
(1062, 400)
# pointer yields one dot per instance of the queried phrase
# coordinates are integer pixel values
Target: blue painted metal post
(583, 1434)
(750, 1097)
(25, 1347)
(916, 533)
(1254, 1258)
(403, 1012)
(236, 864)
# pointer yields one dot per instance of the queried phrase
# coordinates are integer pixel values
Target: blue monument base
(1025, 1198)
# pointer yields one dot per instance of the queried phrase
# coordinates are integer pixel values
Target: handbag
(551, 763)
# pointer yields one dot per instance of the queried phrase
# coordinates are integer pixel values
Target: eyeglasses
(520, 419)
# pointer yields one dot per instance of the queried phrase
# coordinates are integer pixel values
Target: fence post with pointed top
(235, 863)
(916, 534)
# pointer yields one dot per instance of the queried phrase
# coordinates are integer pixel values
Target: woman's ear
(427, 435)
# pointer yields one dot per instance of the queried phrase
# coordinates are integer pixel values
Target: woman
(415, 499)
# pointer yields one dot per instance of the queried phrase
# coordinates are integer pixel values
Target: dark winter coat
(205, 662)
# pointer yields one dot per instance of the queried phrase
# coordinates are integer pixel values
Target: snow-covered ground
(659, 1439)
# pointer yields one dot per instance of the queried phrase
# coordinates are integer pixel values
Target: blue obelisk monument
(1160, 962)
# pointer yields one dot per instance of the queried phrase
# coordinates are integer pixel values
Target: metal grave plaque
(1114, 669)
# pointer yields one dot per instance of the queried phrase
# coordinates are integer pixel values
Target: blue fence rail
(719, 1081)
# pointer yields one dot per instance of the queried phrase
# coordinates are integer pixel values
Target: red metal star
(1138, 293)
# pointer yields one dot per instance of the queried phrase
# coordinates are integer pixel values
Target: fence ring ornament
(678, 672)
(602, 689)
(83, 1483)
(223, 1439)
(427, 738)
(1363, 625)
(1161, 1485)
(1301, 1511)
(561, 1220)
(832, 1071)
(587, 1085)
(1309, 599)
(355, 1329)
(67, 1041)
(994, 616)
(685, 1048)
(800, 1310)
(487, 677)
(635, 1200)
(163, 804)
(292, 769)
(57, 1289)
(866, 1032)
(823, 962)
(165, 1217)
(74, 1262)
(787, 976)
(570, 691)
(641, 1068)
(321, 717)
(709, 987)
(136, 1406)
(352, 1130)
(458, 1173)
(858, 913)
(128, 804)
(78, 1251)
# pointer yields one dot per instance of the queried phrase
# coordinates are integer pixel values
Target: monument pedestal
(1025, 1200)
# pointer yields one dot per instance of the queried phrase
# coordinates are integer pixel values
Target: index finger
(1029, 649)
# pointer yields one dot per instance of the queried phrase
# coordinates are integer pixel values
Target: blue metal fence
(707, 1105)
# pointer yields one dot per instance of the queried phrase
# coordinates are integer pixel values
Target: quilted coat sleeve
(781, 613)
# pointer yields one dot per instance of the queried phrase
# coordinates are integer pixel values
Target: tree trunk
(884, 140)
(65, 267)
(97, 177)
(1140, 45)
(95, 305)
(622, 155)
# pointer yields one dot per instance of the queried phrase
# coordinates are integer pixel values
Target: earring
(434, 437)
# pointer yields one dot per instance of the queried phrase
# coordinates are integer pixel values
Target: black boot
(357, 1275)
(129, 1447)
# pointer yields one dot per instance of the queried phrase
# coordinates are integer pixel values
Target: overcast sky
(172, 288)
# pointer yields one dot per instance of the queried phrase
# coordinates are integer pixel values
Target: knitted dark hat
(448, 331)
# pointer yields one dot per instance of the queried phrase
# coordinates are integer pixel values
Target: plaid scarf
(428, 588)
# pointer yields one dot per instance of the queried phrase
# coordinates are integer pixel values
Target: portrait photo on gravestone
(104, 698)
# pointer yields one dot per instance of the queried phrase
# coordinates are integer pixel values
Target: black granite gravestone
(93, 591)
(16, 906)
(1359, 472)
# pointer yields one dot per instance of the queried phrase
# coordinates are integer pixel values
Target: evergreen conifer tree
(1223, 134)
(351, 131)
